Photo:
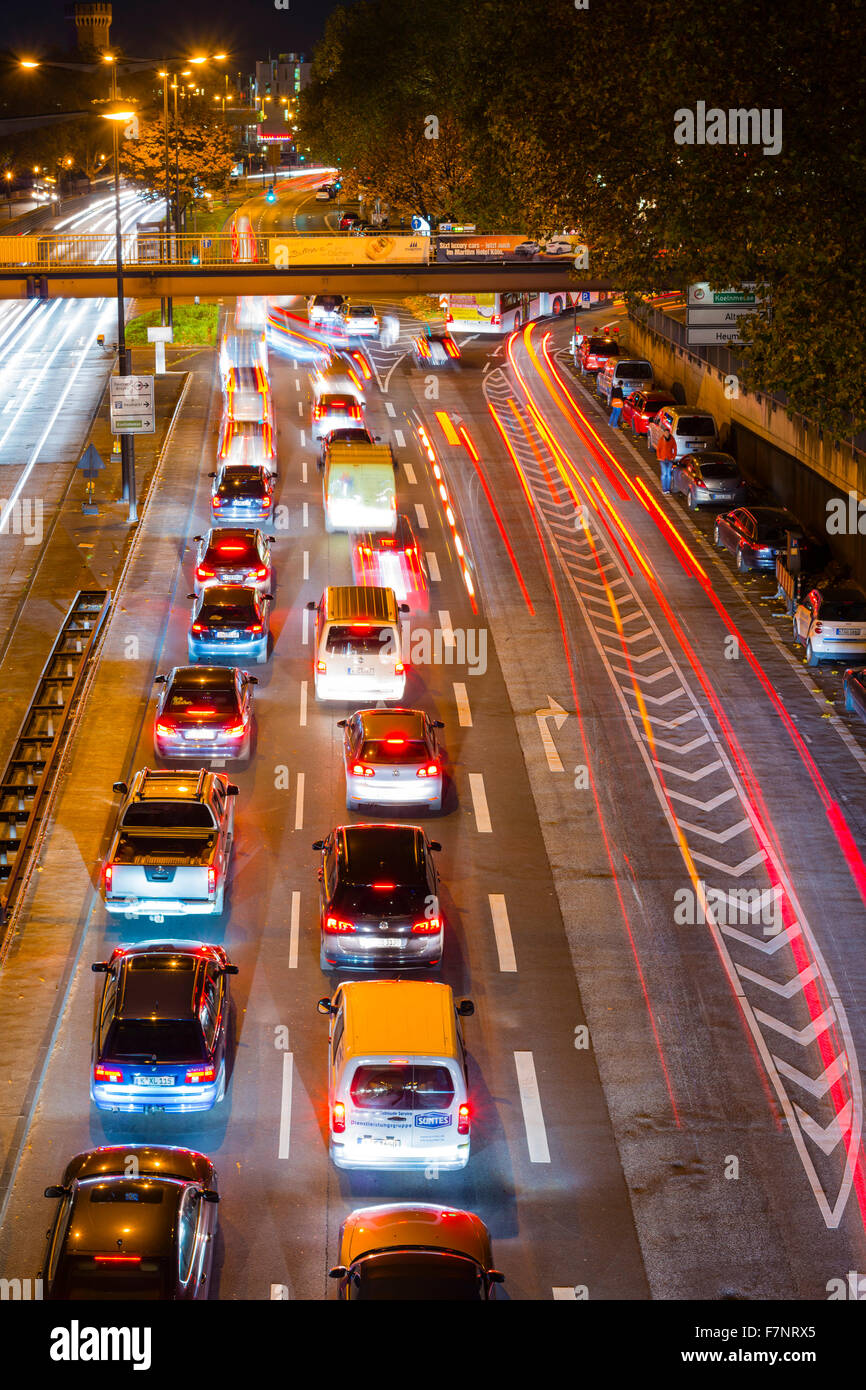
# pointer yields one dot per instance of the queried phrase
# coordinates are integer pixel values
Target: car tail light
(321, 667)
(110, 1074)
(496, 320)
(211, 880)
(362, 770)
(253, 627)
(355, 412)
(204, 573)
(198, 627)
(463, 1120)
(216, 501)
(261, 573)
(452, 349)
(226, 549)
(383, 887)
(117, 1259)
(431, 770)
(399, 668)
(819, 627)
(266, 502)
(338, 925)
(235, 731)
(165, 729)
(339, 1118)
(317, 413)
(428, 926)
(109, 874)
(200, 1076)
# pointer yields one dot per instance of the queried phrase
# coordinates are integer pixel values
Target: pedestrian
(616, 399)
(666, 452)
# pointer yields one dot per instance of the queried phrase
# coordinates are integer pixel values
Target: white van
(359, 489)
(397, 1075)
(630, 374)
(247, 395)
(358, 644)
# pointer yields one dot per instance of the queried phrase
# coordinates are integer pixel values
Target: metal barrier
(30, 772)
(146, 248)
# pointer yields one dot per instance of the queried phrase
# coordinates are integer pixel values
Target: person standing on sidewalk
(616, 399)
(666, 452)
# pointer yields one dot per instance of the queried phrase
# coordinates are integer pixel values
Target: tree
(204, 156)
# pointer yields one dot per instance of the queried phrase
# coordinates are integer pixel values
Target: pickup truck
(170, 852)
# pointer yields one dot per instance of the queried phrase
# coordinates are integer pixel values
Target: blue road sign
(90, 463)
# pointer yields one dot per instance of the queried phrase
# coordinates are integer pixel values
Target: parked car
(831, 623)
(630, 374)
(854, 687)
(161, 1028)
(755, 535)
(204, 712)
(229, 620)
(594, 352)
(136, 1222)
(710, 479)
(348, 219)
(639, 409)
(392, 758)
(692, 429)
(415, 1251)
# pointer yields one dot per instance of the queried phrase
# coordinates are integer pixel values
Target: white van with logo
(358, 644)
(398, 1093)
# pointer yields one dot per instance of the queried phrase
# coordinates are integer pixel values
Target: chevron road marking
(787, 990)
(735, 870)
(656, 699)
(647, 680)
(644, 656)
(704, 805)
(679, 747)
(819, 1085)
(690, 776)
(720, 837)
(802, 1036)
(826, 1139)
(769, 945)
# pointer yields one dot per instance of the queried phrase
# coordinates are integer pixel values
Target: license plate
(359, 671)
(198, 734)
(153, 1080)
(227, 636)
(385, 1143)
(849, 632)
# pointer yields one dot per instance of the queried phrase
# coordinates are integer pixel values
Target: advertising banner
(343, 249)
(476, 248)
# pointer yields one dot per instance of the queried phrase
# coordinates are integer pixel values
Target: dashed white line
(303, 710)
(502, 932)
(300, 408)
(561, 1295)
(297, 383)
(410, 473)
(306, 564)
(299, 803)
(303, 439)
(433, 566)
(464, 713)
(533, 1120)
(279, 1293)
(448, 638)
(479, 803)
(306, 513)
(389, 406)
(286, 1106)
(400, 438)
(421, 515)
(305, 626)
(294, 930)
(303, 469)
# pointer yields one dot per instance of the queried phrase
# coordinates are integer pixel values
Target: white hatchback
(831, 624)
(392, 758)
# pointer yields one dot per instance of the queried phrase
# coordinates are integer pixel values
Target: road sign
(701, 295)
(712, 337)
(714, 316)
(722, 316)
(206, 243)
(132, 405)
(90, 462)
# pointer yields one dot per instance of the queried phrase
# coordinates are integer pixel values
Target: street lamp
(117, 113)
(8, 177)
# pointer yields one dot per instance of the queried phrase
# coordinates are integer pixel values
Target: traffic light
(271, 196)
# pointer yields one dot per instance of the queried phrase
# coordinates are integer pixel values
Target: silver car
(392, 758)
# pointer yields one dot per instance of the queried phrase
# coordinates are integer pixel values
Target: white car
(527, 248)
(324, 308)
(325, 193)
(558, 246)
(831, 624)
(392, 758)
(359, 321)
(336, 412)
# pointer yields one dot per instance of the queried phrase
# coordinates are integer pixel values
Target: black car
(755, 535)
(379, 898)
(242, 492)
(344, 435)
(161, 1029)
(204, 711)
(710, 479)
(234, 555)
(229, 620)
(133, 1222)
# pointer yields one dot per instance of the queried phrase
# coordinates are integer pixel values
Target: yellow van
(359, 491)
(358, 646)
(398, 1091)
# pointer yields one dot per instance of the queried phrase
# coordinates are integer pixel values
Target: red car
(641, 406)
(594, 352)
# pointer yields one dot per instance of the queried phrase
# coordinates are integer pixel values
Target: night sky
(249, 29)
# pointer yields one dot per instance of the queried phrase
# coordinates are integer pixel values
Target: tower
(92, 23)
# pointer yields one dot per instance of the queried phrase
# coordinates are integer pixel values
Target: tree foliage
(204, 156)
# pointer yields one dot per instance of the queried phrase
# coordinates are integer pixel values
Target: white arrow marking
(554, 762)
(720, 837)
(705, 805)
(821, 1084)
(733, 870)
(635, 637)
(690, 776)
(802, 1036)
(788, 990)
(826, 1139)
(772, 943)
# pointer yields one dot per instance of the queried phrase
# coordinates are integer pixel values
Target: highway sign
(713, 316)
(712, 337)
(701, 295)
(722, 315)
(132, 405)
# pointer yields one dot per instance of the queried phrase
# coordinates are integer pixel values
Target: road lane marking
(502, 931)
(294, 930)
(299, 803)
(464, 713)
(533, 1120)
(303, 439)
(421, 515)
(306, 564)
(286, 1106)
(305, 626)
(279, 1293)
(560, 1295)
(554, 762)
(448, 638)
(300, 408)
(389, 406)
(303, 704)
(306, 513)
(297, 383)
(400, 438)
(410, 473)
(479, 803)
(433, 566)
(447, 428)
(303, 469)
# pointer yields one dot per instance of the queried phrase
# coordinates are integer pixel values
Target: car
(435, 350)
(558, 246)
(379, 898)
(360, 228)
(359, 321)
(242, 492)
(244, 441)
(324, 308)
(161, 1028)
(326, 192)
(392, 758)
(416, 1251)
(234, 555)
(133, 1221)
(333, 412)
(339, 378)
(756, 535)
(690, 429)
(640, 408)
(230, 620)
(527, 248)
(348, 219)
(594, 352)
(356, 435)
(710, 478)
(854, 688)
(393, 561)
(831, 623)
(204, 711)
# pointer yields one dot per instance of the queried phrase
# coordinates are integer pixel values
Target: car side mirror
(403, 608)
(466, 1008)
(100, 967)
(207, 1194)
(252, 680)
(341, 723)
(193, 597)
(434, 845)
(311, 606)
(338, 1272)
(120, 787)
(377, 439)
(198, 538)
(55, 1191)
(318, 844)
(159, 680)
(229, 970)
(211, 475)
(438, 724)
(232, 789)
(495, 1276)
(324, 1006)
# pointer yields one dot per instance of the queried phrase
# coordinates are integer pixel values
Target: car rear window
(381, 853)
(601, 348)
(402, 1087)
(168, 1040)
(247, 482)
(151, 1194)
(328, 301)
(163, 815)
(417, 1275)
(240, 550)
(362, 311)
(635, 371)
(718, 470)
(87, 1279)
(404, 750)
(696, 424)
(844, 610)
(203, 702)
(357, 640)
(348, 436)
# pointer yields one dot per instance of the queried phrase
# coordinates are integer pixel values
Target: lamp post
(8, 177)
(127, 443)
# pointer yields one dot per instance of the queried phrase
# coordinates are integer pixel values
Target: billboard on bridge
(349, 250)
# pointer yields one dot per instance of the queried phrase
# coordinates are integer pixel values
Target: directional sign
(713, 316)
(90, 462)
(132, 405)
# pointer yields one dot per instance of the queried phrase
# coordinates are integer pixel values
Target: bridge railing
(143, 248)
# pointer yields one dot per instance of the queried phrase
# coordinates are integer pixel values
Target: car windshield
(202, 702)
(696, 424)
(242, 481)
(165, 1040)
(402, 1087)
(166, 815)
(360, 640)
(848, 610)
(417, 1275)
(378, 853)
(394, 750)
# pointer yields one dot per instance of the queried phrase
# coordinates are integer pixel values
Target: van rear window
(402, 1088)
(635, 371)
(360, 640)
(696, 424)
